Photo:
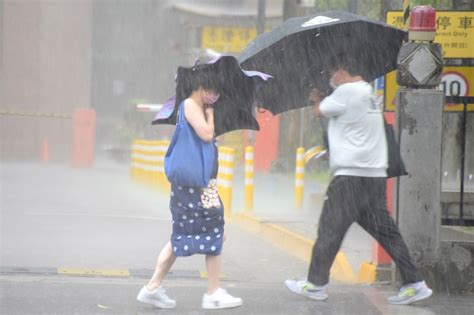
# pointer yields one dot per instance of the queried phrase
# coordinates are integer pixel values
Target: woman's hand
(209, 111)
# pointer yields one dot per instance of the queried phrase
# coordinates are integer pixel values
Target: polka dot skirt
(195, 230)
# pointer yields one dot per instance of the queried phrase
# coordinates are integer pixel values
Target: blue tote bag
(189, 160)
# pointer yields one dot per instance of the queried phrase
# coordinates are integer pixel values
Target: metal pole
(301, 127)
(406, 13)
(353, 6)
(261, 17)
(463, 156)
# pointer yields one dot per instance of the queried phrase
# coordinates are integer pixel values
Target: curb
(294, 244)
(370, 273)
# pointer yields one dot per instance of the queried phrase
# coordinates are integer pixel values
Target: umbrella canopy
(297, 51)
(237, 88)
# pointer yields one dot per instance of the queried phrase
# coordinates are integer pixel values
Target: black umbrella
(236, 105)
(297, 51)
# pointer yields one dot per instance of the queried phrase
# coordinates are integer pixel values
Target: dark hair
(343, 61)
(191, 79)
(201, 76)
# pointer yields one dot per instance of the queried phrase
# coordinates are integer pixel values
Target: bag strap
(181, 118)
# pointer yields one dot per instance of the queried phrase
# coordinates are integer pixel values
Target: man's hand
(316, 111)
(316, 97)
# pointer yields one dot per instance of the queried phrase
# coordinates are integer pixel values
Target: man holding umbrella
(358, 163)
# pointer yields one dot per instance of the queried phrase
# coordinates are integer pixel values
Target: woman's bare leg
(163, 265)
(213, 265)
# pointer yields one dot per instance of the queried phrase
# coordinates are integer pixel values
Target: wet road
(63, 221)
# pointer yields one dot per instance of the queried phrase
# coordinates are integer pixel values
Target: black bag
(396, 167)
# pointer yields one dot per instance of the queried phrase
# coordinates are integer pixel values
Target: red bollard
(83, 137)
(379, 268)
(45, 151)
(379, 256)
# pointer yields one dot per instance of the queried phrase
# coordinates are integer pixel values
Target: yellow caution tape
(9, 112)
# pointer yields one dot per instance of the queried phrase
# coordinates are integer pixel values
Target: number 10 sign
(455, 82)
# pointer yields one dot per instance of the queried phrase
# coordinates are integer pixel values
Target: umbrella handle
(324, 133)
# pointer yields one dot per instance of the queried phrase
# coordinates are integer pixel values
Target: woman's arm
(202, 123)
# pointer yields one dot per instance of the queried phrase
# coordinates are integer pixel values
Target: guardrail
(148, 167)
(461, 220)
(148, 163)
(225, 177)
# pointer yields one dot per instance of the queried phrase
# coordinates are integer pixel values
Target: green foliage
(376, 9)
(134, 124)
(437, 4)
(369, 8)
(321, 176)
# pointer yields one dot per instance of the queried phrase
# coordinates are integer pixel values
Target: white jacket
(357, 141)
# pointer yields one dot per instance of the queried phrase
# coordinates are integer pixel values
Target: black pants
(352, 199)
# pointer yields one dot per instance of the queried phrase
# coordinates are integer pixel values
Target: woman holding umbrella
(197, 212)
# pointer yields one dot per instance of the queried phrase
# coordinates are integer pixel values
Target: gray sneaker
(157, 298)
(411, 293)
(305, 288)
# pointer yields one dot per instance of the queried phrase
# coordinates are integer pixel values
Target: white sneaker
(411, 293)
(220, 299)
(157, 298)
(307, 289)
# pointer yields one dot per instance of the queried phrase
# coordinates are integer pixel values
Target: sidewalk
(274, 209)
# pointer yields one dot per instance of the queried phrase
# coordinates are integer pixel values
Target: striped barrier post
(249, 175)
(299, 179)
(225, 177)
(303, 157)
(148, 163)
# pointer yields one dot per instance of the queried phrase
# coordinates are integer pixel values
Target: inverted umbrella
(235, 107)
(297, 51)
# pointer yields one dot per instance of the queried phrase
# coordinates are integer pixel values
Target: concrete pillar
(419, 120)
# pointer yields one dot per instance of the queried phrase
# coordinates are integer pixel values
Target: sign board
(454, 31)
(226, 39)
(456, 81)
